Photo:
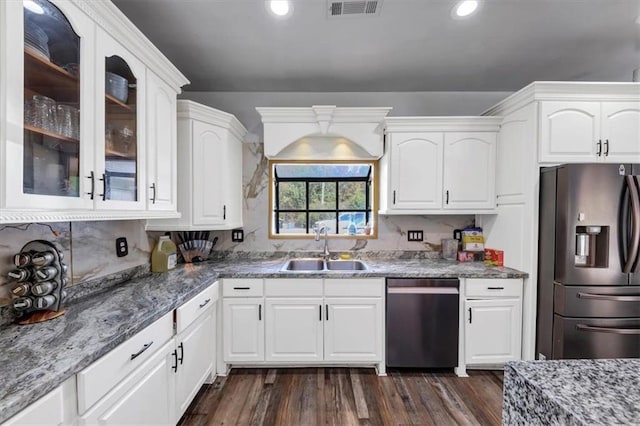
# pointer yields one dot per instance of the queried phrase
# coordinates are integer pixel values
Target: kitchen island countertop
(572, 392)
(39, 357)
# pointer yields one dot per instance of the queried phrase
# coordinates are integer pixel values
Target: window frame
(372, 194)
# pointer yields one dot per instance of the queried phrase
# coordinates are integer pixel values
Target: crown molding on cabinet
(22, 216)
(116, 24)
(442, 124)
(196, 111)
(285, 126)
(566, 91)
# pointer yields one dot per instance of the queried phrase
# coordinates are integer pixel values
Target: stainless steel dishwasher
(422, 322)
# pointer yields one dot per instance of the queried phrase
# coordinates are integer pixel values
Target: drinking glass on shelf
(68, 121)
(40, 111)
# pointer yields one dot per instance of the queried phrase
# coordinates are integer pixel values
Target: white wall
(243, 104)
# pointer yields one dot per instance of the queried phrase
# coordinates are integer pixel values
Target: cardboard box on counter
(470, 256)
(493, 257)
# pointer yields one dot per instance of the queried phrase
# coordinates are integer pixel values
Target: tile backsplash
(88, 247)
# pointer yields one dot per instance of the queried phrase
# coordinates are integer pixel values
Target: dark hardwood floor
(344, 396)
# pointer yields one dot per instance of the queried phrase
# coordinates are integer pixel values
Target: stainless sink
(317, 265)
(346, 265)
(304, 265)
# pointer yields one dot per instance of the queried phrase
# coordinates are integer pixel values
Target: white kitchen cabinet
(58, 407)
(416, 170)
(195, 360)
(243, 329)
(492, 334)
(210, 170)
(589, 131)
(161, 145)
(469, 170)
(145, 397)
(120, 132)
(353, 329)
(439, 165)
(491, 322)
(58, 171)
(294, 329)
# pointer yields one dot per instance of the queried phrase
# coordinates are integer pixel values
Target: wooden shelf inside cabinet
(49, 79)
(117, 154)
(118, 102)
(49, 133)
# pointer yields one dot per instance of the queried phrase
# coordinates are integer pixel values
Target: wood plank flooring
(344, 396)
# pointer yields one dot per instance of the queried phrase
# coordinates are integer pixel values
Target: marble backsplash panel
(392, 231)
(88, 247)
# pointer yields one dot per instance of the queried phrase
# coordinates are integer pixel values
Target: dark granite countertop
(37, 358)
(572, 392)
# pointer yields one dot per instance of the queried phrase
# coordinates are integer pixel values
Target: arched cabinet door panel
(416, 170)
(570, 132)
(120, 130)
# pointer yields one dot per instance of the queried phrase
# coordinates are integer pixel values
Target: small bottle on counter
(22, 303)
(22, 260)
(164, 255)
(43, 288)
(21, 289)
(19, 274)
(43, 258)
(46, 273)
(45, 302)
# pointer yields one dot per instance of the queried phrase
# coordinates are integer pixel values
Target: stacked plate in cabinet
(36, 41)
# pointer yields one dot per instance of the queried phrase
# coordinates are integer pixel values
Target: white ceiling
(413, 45)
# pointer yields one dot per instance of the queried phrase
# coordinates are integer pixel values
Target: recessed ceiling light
(32, 6)
(465, 8)
(280, 8)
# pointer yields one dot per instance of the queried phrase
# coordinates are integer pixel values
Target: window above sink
(339, 195)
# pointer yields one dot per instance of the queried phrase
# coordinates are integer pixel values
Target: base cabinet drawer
(101, 376)
(55, 408)
(145, 397)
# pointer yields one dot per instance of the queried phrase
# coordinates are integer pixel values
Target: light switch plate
(237, 235)
(415, 236)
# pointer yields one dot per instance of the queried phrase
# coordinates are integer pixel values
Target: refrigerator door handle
(594, 329)
(634, 242)
(612, 297)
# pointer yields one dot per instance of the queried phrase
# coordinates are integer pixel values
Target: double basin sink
(321, 265)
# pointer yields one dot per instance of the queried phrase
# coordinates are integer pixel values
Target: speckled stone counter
(397, 268)
(35, 359)
(572, 392)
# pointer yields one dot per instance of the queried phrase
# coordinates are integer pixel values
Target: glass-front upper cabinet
(53, 157)
(121, 176)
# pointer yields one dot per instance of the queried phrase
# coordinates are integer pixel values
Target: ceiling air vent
(354, 8)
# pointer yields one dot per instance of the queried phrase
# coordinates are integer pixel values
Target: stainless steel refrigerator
(589, 262)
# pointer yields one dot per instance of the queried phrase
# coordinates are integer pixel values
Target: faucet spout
(323, 228)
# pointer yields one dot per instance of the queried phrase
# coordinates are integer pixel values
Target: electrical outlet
(237, 235)
(414, 236)
(122, 248)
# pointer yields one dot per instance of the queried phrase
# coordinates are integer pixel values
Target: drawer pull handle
(612, 297)
(144, 348)
(174, 367)
(495, 288)
(181, 352)
(202, 305)
(242, 288)
(470, 315)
